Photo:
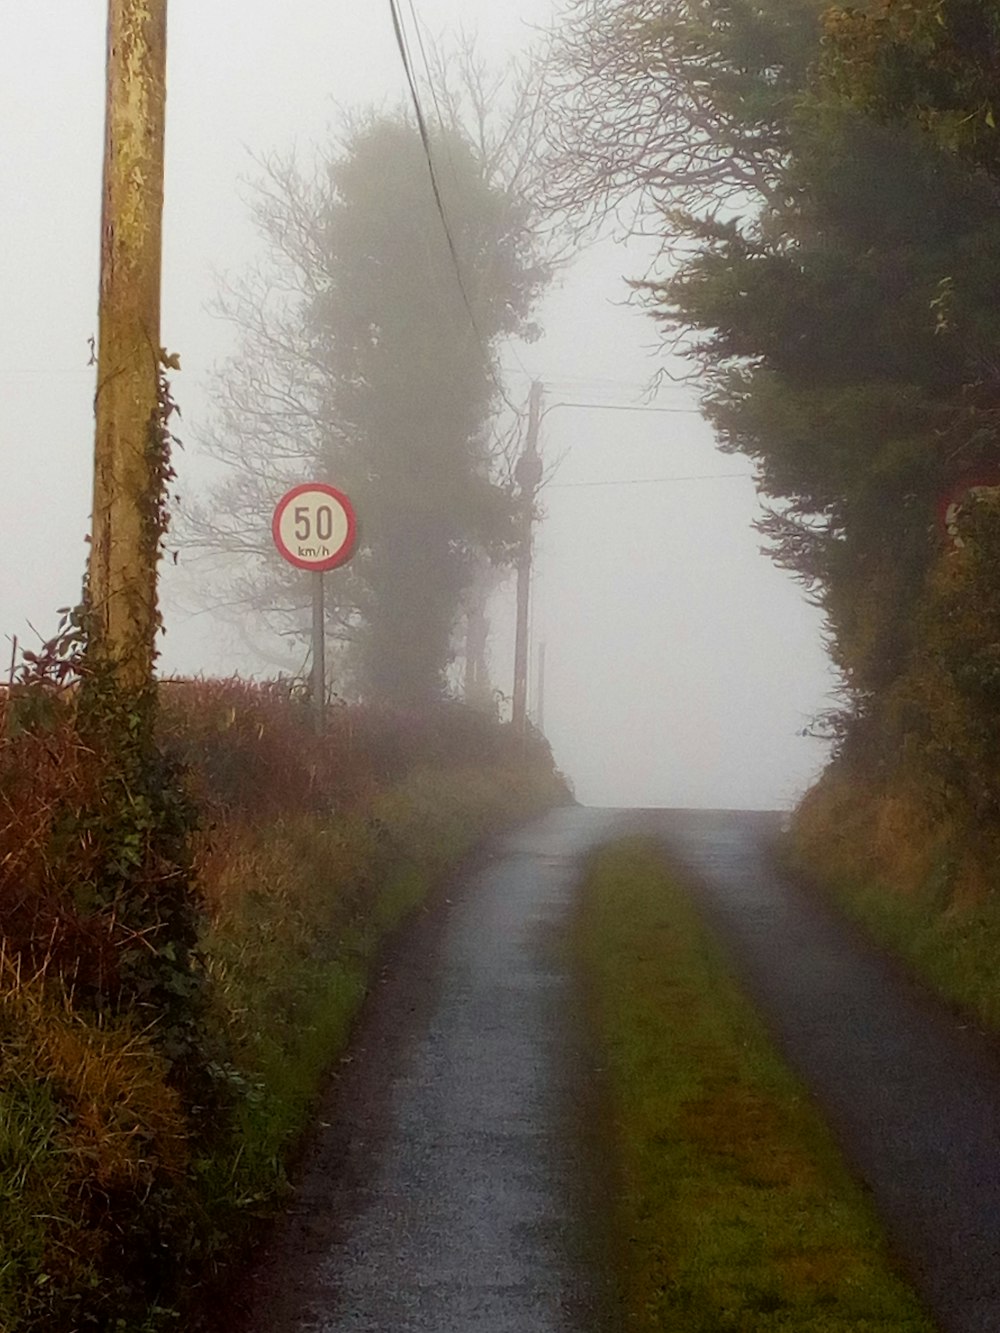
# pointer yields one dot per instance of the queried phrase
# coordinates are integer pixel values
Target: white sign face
(314, 527)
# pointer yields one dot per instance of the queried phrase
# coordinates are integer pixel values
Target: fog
(680, 666)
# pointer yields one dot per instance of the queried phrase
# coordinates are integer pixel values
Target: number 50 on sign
(314, 527)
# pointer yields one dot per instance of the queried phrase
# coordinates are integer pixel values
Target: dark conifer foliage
(834, 252)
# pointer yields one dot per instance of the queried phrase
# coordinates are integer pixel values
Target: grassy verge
(913, 883)
(734, 1211)
(294, 935)
(952, 948)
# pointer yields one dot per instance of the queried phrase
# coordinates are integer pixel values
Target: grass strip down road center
(734, 1211)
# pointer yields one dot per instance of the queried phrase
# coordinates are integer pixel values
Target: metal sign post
(318, 650)
(315, 528)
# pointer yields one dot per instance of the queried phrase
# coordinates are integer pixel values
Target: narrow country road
(911, 1092)
(458, 1185)
(455, 1188)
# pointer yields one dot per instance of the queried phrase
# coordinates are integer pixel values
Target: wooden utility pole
(540, 701)
(528, 475)
(476, 688)
(128, 479)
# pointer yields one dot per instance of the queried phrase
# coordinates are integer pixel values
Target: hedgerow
(136, 1155)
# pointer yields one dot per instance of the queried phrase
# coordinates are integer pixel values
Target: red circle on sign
(315, 527)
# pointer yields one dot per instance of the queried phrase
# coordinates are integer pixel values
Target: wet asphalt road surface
(912, 1093)
(457, 1184)
(457, 1187)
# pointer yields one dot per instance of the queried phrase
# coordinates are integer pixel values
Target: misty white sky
(680, 664)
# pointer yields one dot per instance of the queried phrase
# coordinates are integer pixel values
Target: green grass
(292, 950)
(303, 1009)
(953, 948)
(920, 884)
(734, 1212)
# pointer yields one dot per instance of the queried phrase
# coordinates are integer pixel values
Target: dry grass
(46, 775)
(923, 884)
(121, 1123)
(90, 1133)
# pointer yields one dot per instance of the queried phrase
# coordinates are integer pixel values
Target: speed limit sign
(314, 527)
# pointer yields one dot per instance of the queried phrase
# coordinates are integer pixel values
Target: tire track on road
(912, 1093)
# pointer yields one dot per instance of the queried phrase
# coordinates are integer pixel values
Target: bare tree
(311, 321)
(657, 112)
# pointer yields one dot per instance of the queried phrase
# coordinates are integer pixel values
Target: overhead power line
(605, 384)
(650, 481)
(425, 138)
(432, 85)
(628, 407)
(427, 69)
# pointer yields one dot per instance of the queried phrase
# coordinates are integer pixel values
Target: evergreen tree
(838, 297)
(368, 359)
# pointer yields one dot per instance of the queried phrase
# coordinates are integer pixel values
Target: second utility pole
(528, 475)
